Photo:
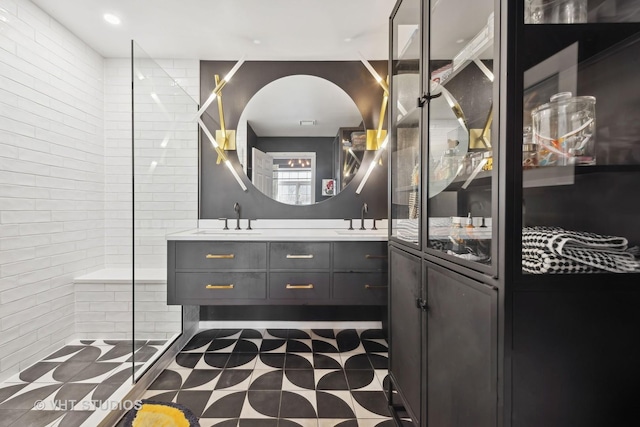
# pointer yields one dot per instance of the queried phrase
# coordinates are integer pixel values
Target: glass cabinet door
(462, 144)
(405, 123)
(580, 137)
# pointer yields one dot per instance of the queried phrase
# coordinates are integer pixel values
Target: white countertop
(272, 230)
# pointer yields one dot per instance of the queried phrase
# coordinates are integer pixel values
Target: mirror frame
(218, 189)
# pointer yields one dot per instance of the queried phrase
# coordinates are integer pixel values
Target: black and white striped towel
(553, 250)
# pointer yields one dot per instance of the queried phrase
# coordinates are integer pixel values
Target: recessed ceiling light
(348, 39)
(460, 41)
(256, 41)
(307, 122)
(111, 19)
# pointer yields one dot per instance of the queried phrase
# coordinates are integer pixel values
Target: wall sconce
(376, 139)
(226, 138)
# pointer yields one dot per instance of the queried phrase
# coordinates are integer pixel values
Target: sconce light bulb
(234, 69)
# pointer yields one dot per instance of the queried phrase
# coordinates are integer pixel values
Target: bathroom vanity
(277, 267)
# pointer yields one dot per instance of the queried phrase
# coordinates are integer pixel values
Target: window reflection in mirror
(297, 120)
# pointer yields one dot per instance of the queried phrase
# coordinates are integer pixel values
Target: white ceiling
(278, 108)
(227, 29)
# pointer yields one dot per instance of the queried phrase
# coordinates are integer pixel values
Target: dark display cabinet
(514, 194)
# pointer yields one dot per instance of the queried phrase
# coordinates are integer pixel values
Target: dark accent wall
(218, 188)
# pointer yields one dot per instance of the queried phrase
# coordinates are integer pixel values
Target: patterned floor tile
(355, 360)
(280, 378)
(218, 422)
(299, 361)
(307, 422)
(325, 345)
(261, 404)
(335, 404)
(264, 379)
(348, 340)
(330, 379)
(337, 423)
(185, 360)
(298, 404)
(195, 400)
(270, 361)
(234, 379)
(363, 379)
(202, 379)
(298, 379)
(225, 404)
(327, 361)
(370, 404)
(379, 360)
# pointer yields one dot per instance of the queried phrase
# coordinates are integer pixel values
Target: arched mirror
(300, 139)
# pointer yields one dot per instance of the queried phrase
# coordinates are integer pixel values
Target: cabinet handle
(422, 304)
(290, 286)
(229, 286)
(290, 256)
(220, 256)
(367, 256)
(374, 287)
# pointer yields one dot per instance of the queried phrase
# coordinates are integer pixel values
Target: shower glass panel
(165, 198)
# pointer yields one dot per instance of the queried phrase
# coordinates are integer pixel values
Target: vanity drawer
(207, 286)
(299, 285)
(299, 255)
(360, 256)
(221, 255)
(363, 288)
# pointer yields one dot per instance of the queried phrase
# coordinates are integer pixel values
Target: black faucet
(364, 210)
(236, 208)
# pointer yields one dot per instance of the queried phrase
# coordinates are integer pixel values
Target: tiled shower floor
(70, 385)
(280, 378)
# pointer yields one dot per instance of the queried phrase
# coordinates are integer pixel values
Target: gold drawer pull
(309, 256)
(367, 256)
(229, 286)
(374, 287)
(290, 286)
(220, 256)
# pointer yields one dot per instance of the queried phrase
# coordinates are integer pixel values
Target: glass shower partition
(165, 196)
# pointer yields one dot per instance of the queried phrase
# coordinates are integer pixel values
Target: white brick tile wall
(51, 177)
(65, 186)
(104, 310)
(167, 155)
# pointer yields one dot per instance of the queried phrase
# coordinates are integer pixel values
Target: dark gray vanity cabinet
(216, 271)
(360, 272)
(277, 273)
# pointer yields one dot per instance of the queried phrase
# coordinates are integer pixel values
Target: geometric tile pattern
(66, 388)
(280, 378)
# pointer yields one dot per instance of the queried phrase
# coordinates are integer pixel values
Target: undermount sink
(360, 232)
(227, 232)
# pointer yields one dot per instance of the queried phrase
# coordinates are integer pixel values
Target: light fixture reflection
(372, 165)
(218, 88)
(111, 19)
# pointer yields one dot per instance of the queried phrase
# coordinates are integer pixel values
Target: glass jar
(555, 11)
(529, 149)
(564, 130)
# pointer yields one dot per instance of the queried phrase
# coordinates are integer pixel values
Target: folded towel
(555, 250)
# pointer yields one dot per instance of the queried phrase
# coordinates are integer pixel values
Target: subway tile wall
(104, 310)
(166, 159)
(65, 186)
(51, 180)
